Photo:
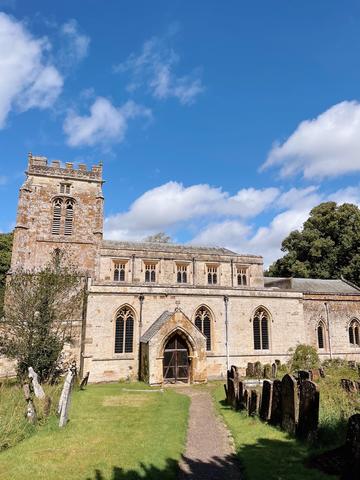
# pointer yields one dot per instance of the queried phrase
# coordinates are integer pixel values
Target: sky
(218, 123)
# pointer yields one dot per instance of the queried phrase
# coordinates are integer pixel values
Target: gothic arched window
(203, 323)
(354, 333)
(261, 329)
(321, 335)
(69, 217)
(56, 222)
(124, 330)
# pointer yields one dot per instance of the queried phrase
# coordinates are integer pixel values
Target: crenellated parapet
(39, 165)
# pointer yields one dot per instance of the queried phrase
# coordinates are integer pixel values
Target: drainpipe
(141, 299)
(226, 300)
(328, 326)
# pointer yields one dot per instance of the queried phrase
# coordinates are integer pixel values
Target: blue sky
(218, 122)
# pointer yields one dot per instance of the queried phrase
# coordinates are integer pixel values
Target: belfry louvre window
(320, 335)
(203, 323)
(65, 188)
(56, 222)
(212, 274)
(150, 272)
(181, 274)
(69, 217)
(261, 329)
(124, 331)
(241, 273)
(119, 272)
(354, 333)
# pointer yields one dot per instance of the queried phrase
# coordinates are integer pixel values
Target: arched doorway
(176, 360)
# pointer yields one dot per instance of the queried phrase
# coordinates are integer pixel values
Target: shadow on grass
(216, 469)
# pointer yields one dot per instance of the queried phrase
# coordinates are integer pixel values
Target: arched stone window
(203, 323)
(354, 333)
(56, 222)
(124, 330)
(119, 272)
(321, 335)
(69, 217)
(261, 329)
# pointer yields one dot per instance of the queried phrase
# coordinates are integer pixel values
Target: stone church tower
(59, 208)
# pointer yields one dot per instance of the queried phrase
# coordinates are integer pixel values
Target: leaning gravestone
(308, 410)
(65, 397)
(38, 390)
(254, 402)
(275, 415)
(289, 404)
(348, 385)
(266, 398)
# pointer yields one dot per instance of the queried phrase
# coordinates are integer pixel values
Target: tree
(328, 246)
(304, 357)
(160, 237)
(40, 310)
(5, 258)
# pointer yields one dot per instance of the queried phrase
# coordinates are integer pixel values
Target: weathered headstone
(308, 410)
(84, 381)
(314, 374)
(250, 370)
(304, 375)
(254, 402)
(353, 445)
(30, 408)
(289, 404)
(38, 390)
(278, 362)
(64, 402)
(274, 368)
(348, 385)
(240, 400)
(258, 369)
(266, 398)
(267, 371)
(322, 372)
(246, 399)
(276, 415)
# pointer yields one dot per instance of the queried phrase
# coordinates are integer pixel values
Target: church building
(172, 313)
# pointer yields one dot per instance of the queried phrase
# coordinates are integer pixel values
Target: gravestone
(289, 404)
(65, 397)
(38, 390)
(348, 385)
(30, 408)
(240, 399)
(278, 362)
(267, 371)
(266, 398)
(246, 399)
(303, 375)
(258, 369)
(352, 364)
(254, 402)
(315, 374)
(353, 444)
(250, 370)
(276, 415)
(308, 410)
(274, 368)
(84, 381)
(322, 372)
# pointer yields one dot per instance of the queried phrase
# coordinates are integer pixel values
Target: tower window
(124, 331)
(212, 274)
(182, 274)
(119, 272)
(261, 329)
(56, 223)
(242, 276)
(69, 217)
(150, 272)
(65, 188)
(203, 323)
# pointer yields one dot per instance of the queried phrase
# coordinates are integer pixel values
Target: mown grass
(113, 433)
(265, 451)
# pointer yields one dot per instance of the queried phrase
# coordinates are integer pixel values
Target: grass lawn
(112, 434)
(264, 451)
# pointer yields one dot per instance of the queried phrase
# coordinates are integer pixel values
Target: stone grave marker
(254, 402)
(289, 404)
(30, 408)
(250, 370)
(266, 398)
(308, 410)
(246, 399)
(348, 385)
(38, 390)
(304, 375)
(65, 398)
(275, 415)
(315, 374)
(240, 399)
(267, 371)
(322, 372)
(353, 444)
(274, 368)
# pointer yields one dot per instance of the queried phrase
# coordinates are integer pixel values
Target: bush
(304, 357)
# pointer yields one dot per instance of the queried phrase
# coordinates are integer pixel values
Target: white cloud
(105, 123)
(325, 146)
(346, 195)
(154, 67)
(27, 79)
(172, 203)
(76, 45)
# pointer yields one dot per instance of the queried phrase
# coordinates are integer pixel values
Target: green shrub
(304, 357)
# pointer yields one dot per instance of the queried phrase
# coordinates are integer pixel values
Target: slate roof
(171, 248)
(312, 285)
(155, 327)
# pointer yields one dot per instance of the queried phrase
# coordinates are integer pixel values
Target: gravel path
(209, 450)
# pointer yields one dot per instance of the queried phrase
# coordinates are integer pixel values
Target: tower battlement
(39, 165)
